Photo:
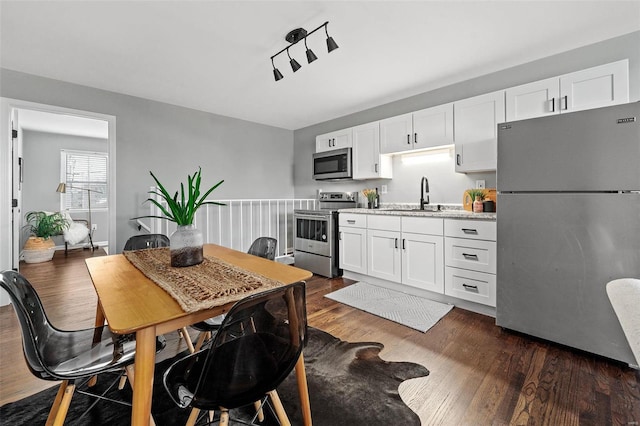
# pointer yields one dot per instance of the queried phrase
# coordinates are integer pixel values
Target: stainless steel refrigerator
(568, 222)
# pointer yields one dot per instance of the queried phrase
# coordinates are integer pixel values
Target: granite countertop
(449, 211)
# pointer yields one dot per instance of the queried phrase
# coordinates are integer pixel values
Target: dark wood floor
(480, 374)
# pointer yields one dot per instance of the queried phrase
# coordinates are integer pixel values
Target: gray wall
(254, 160)
(41, 154)
(446, 185)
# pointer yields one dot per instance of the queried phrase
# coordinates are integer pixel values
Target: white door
(353, 249)
(433, 126)
(422, 262)
(16, 197)
(533, 99)
(383, 258)
(396, 134)
(595, 87)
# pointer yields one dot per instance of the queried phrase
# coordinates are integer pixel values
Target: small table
(132, 303)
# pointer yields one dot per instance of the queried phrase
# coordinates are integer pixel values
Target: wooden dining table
(132, 303)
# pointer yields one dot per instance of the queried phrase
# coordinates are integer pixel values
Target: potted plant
(186, 242)
(476, 195)
(371, 195)
(39, 247)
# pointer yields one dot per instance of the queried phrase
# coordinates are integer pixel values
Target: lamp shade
(62, 188)
(311, 56)
(277, 74)
(331, 44)
(295, 66)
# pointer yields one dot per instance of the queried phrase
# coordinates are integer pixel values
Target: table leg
(143, 386)
(303, 391)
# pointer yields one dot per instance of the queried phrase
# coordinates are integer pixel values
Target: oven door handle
(312, 217)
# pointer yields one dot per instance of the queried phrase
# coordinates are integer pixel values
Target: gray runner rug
(413, 311)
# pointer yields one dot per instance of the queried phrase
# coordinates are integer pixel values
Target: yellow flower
(370, 194)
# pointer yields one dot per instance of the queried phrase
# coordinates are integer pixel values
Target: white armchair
(77, 231)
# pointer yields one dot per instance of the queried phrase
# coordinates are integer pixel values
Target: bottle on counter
(477, 205)
(376, 201)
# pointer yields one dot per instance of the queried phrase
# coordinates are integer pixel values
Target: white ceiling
(214, 55)
(62, 123)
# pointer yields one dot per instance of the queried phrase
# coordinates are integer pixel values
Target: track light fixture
(293, 37)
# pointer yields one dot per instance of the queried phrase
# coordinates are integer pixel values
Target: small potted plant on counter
(476, 195)
(371, 195)
(39, 247)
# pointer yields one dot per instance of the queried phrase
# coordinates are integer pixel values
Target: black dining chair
(264, 247)
(253, 351)
(146, 241)
(70, 356)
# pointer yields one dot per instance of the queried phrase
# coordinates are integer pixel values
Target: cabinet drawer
(470, 285)
(423, 225)
(384, 223)
(476, 255)
(474, 229)
(353, 220)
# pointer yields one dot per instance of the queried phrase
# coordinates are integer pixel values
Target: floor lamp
(62, 188)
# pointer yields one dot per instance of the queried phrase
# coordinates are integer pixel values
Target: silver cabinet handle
(409, 139)
(403, 244)
(415, 138)
(470, 231)
(566, 102)
(469, 287)
(458, 159)
(553, 104)
(468, 256)
(396, 242)
(376, 167)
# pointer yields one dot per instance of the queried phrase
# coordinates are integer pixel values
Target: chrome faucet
(424, 185)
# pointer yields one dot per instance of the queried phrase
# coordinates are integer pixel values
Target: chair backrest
(255, 349)
(264, 247)
(144, 241)
(38, 335)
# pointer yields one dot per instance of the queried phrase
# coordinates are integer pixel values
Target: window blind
(83, 171)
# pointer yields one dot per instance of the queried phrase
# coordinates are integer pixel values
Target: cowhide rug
(348, 385)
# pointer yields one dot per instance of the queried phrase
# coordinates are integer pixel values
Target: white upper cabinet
(396, 134)
(433, 126)
(334, 140)
(422, 129)
(476, 131)
(367, 161)
(595, 87)
(533, 99)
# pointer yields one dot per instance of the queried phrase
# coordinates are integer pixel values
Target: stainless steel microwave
(334, 164)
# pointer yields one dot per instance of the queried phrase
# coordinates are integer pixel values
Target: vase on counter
(477, 205)
(186, 246)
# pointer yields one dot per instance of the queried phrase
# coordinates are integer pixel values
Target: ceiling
(215, 55)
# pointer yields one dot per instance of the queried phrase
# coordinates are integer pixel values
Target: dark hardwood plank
(480, 374)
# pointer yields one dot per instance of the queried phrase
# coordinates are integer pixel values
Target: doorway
(33, 158)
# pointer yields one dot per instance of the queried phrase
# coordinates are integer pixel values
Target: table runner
(214, 282)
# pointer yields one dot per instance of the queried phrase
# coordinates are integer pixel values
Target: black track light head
(277, 74)
(310, 55)
(331, 44)
(295, 66)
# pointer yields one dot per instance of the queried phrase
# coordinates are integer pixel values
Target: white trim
(6, 105)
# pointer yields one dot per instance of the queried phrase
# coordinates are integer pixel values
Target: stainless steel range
(316, 233)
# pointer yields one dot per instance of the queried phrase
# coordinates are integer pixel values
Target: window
(85, 174)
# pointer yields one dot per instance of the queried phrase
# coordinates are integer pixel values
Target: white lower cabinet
(406, 250)
(470, 259)
(455, 257)
(353, 242)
